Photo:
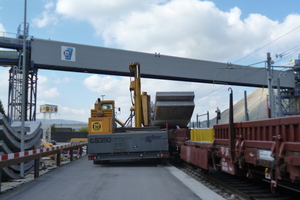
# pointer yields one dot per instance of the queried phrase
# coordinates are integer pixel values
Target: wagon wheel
(204, 171)
(273, 186)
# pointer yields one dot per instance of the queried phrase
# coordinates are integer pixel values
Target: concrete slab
(117, 180)
(173, 108)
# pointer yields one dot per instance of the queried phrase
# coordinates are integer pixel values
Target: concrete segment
(173, 108)
(10, 143)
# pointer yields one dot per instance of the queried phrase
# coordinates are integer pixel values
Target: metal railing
(11, 38)
(20, 157)
(8, 34)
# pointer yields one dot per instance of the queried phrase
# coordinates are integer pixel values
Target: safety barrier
(20, 157)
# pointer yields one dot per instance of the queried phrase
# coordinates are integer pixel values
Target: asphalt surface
(82, 179)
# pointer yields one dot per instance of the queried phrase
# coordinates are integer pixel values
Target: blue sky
(222, 31)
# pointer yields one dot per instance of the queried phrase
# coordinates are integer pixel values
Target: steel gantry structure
(13, 59)
(63, 56)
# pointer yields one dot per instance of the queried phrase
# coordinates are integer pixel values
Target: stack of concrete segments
(10, 142)
(173, 108)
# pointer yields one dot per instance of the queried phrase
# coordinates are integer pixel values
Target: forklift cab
(102, 120)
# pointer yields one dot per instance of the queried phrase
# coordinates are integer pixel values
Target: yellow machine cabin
(102, 120)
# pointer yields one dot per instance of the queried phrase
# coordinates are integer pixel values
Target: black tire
(96, 162)
(164, 161)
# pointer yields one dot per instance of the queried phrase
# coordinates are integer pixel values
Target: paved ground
(48, 166)
(82, 179)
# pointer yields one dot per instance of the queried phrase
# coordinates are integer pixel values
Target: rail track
(237, 188)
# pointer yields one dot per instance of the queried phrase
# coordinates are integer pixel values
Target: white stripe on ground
(199, 189)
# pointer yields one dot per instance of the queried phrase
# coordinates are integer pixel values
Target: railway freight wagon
(267, 149)
(270, 147)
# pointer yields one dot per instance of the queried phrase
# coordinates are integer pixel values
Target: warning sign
(47, 108)
(97, 126)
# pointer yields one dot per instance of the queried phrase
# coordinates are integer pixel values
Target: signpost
(47, 109)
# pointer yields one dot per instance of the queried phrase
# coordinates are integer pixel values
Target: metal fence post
(71, 155)
(37, 167)
(58, 156)
(0, 179)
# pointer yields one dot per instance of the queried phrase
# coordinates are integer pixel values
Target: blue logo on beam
(68, 53)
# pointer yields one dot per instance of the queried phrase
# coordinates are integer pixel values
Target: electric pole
(270, 79)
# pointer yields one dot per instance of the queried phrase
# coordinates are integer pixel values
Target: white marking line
(10, 156)
(199, 189)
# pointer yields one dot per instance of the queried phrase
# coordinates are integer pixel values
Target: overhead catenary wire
(225, 86)
(290, 53)
(284, 53)
(267, 44)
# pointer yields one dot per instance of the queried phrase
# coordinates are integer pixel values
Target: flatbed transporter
(106, 142)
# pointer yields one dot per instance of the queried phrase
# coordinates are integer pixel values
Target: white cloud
(62, 80)
(49, 5)
(47, 17)
(101, 11)
(113, 88)
(71, 113)
(44, 91)
(42, 79)
(107, 85)
(188, 28)
(49, 93)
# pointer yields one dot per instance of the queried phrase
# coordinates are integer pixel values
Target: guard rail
(20, 157)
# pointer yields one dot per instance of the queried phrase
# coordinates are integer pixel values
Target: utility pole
(24, 97)
(279, 98)
(246, 106)
(207, 123)
(198, 122)
(270, 89)
(232, 136)
(218, 117)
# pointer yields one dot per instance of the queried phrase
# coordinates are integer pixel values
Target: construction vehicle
(108, 142)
